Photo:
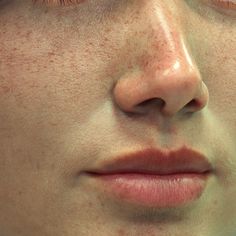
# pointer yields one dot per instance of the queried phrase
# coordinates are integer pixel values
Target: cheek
(40, 78)
(53, 61)
(34, 64)
(216, 59)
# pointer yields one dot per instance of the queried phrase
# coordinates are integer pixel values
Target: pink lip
(154, 177)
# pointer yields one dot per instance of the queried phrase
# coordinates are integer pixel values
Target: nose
(166, 77)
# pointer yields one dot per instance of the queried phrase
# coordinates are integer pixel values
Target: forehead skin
(83, 83)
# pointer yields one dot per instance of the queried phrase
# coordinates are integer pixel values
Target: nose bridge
(166, 47)
(168, 67)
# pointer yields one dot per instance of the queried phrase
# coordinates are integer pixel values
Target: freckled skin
(81, 84)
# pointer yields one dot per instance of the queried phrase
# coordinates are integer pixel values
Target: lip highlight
(155, 178)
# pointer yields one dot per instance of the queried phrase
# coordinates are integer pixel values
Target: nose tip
(171, 90)
(167, 79)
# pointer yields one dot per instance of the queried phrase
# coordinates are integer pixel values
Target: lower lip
(159, 191)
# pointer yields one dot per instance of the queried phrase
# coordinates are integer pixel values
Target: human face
(84, 83)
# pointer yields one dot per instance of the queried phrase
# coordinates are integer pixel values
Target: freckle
(37, 166)
(121, 232)
(107, 30)
(28, 33)
(129, 65)
(51, 54)
(215, 202)
(173, 130)
(5, 89)
(53, 124)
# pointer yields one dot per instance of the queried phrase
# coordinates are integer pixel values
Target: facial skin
(84, 83)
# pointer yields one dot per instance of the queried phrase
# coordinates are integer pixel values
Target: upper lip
(156, 161)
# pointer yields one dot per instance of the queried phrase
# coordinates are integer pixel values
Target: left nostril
(198, 104)
(158, 102)
(193, 106)
(192, 103)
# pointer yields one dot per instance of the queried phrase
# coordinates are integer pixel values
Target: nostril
(152, 102)
(194, 104)
(145, 106)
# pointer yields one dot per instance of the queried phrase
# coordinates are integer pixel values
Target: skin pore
(82, 83)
